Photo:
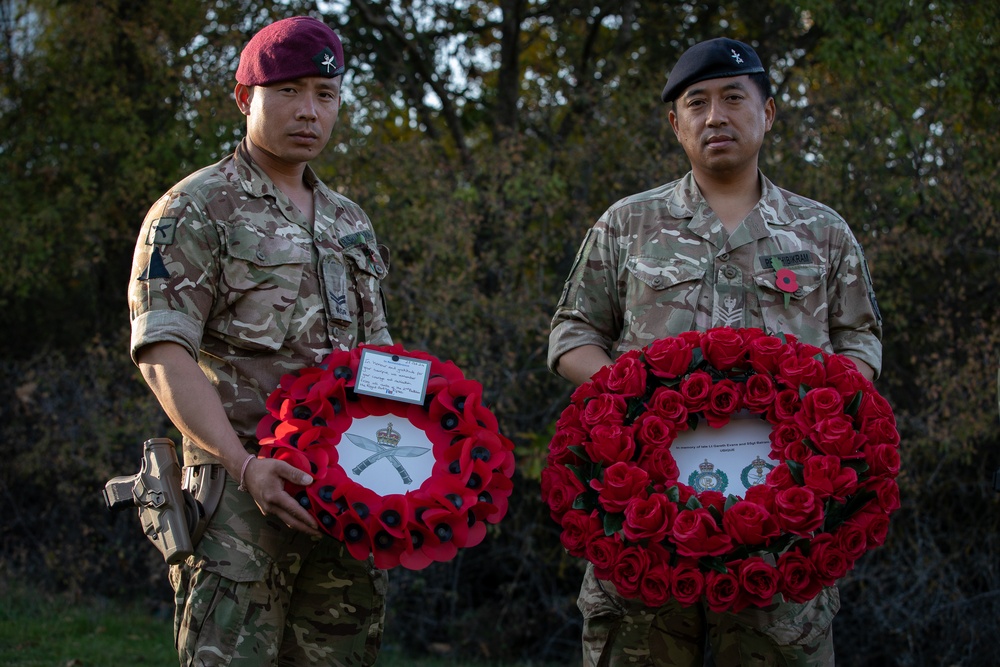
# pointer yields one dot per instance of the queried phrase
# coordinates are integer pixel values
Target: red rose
(819, 404)
(559, 452)
(669, 357)
(723, 348)
(798, 509)
(603, 409)
(749, 335)
(749, 523)
(722, 403)
(830, 561)
(766, 353)
(669, 405)
(784, 437)
(688, 584)
(622, 482)
(882, 460)
(649, 518)
(874, 406)
(603, 553)
(627, 377)
(696, 534)
(651, 430)
(880, 431)
(610, 443)
(887, 492)
(799, 371)
(799, 582)
(660, 464)
(655, 586)
(828, 479)
(696, 388)
(560, 487)
(875, 523)
(843, 375)
(587, 391)
(852, 540)
(763, 495)
(722, 591)
(836, 436)
(684, 492)
(710, 499)
(780, 478)
(579, 529)
(760, 393)
(570, 418)
(628, 573)
(759, 581)
(786, 404)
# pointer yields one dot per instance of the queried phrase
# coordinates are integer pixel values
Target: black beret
(713, 59)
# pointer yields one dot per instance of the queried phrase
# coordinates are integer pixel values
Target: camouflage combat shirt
(229, 268)
(660, 263)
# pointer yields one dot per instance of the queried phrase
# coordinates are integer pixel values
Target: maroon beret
(291, 49)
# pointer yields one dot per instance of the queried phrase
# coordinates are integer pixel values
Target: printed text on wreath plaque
(730, 459)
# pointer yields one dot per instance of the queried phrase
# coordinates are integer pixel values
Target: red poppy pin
(785, 279)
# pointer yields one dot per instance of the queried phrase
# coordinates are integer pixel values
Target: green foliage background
(483, 138)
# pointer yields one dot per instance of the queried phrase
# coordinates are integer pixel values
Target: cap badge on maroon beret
(326, 62)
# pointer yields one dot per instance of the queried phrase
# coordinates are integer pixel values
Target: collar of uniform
(257, 183)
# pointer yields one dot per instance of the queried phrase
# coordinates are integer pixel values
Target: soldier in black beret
(698, 253)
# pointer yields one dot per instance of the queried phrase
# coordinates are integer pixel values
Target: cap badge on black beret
(712, 59)
(326, 63)
(736, 57)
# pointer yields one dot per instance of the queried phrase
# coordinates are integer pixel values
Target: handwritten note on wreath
(392, 376)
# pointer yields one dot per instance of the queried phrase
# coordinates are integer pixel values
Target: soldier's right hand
(265, 480)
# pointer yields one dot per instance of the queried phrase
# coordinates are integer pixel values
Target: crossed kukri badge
(385, 448)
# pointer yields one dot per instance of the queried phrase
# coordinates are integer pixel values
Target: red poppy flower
(786, 280)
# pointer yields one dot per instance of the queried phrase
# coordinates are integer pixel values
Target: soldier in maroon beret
(245, 271)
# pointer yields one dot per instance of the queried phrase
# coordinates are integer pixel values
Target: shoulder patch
(162, 232)
(156, 268)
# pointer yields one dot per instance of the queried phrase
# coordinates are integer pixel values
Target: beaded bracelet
(243, 472)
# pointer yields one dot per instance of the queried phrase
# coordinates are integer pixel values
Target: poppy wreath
(469, 486)
(613, 485)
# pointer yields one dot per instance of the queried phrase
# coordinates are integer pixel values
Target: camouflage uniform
(229, 268)
(657, 264)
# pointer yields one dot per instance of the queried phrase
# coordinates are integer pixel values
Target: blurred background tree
(484, 138)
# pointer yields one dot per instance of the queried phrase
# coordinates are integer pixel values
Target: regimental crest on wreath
(707, 478)
(385, 446)
(755, 473)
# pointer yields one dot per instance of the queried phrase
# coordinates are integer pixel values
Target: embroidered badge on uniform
(156, 268)
(162, 232)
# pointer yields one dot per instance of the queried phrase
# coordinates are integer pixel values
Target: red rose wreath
(469, 486)
(612, 483)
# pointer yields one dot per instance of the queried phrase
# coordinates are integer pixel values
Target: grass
(38, 630)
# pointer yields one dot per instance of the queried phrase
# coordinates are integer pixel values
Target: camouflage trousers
(257, 593)
(619, 632)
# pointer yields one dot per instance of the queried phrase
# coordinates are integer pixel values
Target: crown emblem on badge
(736, 57)
(387, 437)
(706, 467)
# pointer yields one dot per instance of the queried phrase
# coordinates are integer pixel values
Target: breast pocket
(351, 285)
(661, 298)
(807, 312)
(261, 277)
